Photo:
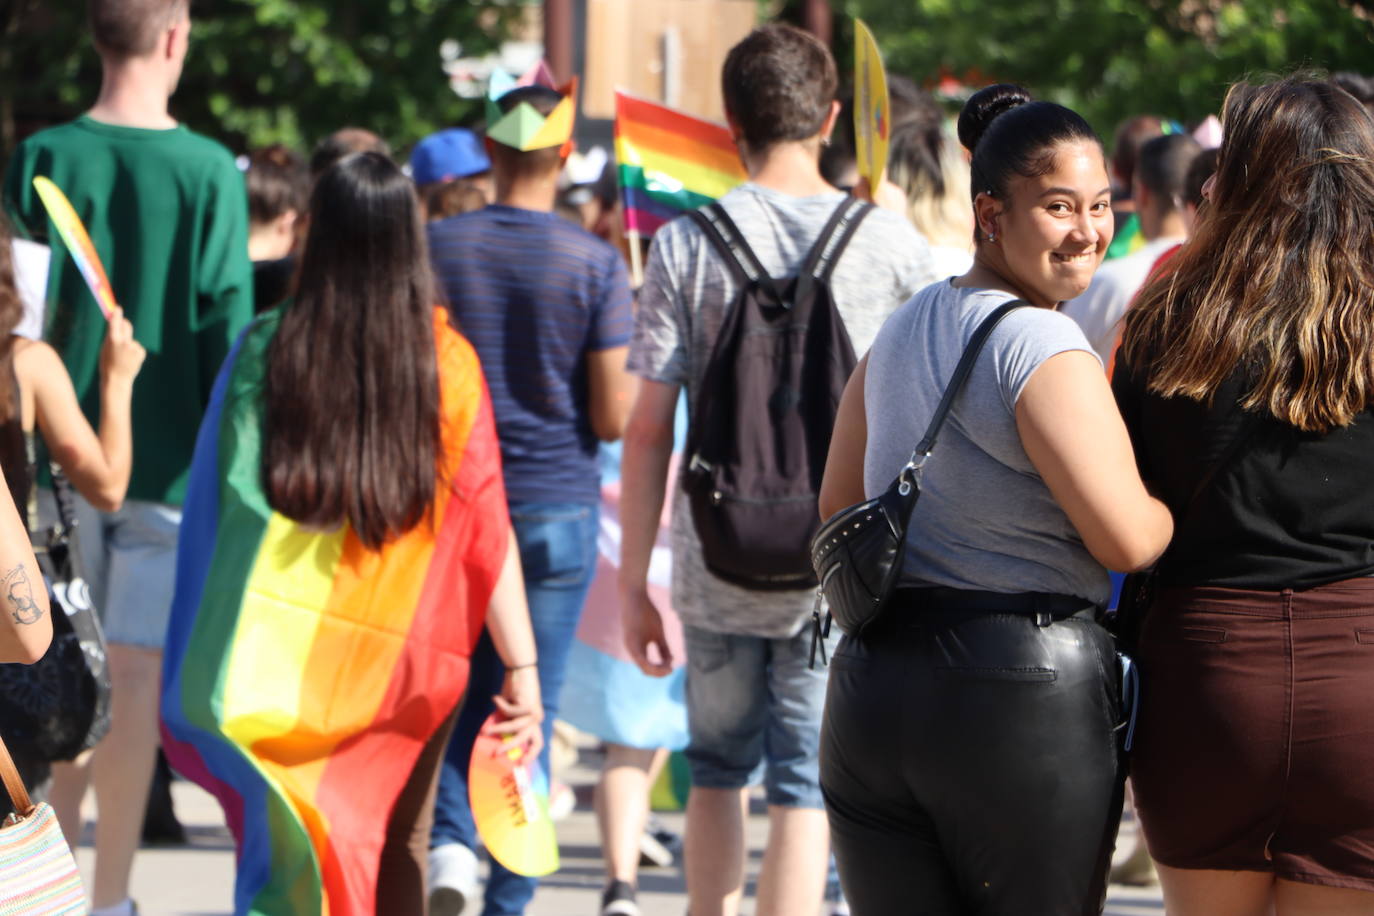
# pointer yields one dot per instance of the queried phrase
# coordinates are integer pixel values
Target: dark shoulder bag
(60, 705)
(858, 553)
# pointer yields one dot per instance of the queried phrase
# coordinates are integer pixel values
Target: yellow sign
(872, 107)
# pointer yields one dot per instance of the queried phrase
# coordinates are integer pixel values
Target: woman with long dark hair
(346, 538)
(1246, 377)
(969, 754)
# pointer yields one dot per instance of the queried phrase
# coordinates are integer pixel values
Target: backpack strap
(831, 243)
(726, 238)
(835, 238)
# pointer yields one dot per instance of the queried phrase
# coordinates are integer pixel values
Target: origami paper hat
(523, 127)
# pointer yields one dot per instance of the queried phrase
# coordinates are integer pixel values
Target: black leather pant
(969, 760)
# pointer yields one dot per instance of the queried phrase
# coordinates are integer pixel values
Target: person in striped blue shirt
(547, 307)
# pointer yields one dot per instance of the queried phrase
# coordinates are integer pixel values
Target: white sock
(124, 908)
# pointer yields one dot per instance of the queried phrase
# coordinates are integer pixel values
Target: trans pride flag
(303, 673)
(605, 694)
(669, 162)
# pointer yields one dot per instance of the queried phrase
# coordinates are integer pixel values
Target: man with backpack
(758, 305)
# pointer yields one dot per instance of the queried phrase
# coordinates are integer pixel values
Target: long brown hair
(352, 386)
(11, 313)
(1276, 282)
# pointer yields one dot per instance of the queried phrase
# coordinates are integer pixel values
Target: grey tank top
(985, 519)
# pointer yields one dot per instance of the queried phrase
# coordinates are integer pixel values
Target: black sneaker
(619, 900)
(160, 824)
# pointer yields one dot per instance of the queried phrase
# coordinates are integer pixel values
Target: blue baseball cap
(453, 153)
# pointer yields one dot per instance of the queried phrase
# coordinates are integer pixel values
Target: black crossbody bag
(858, 553)
(60, 705)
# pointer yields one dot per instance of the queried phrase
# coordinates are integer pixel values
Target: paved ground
(198, 878)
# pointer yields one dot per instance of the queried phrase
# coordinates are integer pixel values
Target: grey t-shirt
(687, 288)
(985, 519)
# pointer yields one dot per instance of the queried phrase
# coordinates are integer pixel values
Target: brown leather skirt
(1255, 744)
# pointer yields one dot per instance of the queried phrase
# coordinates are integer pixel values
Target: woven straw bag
(38, 875)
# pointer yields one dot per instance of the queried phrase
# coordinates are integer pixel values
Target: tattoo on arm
(19, 591)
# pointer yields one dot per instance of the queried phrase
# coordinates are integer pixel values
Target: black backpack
(760, 430)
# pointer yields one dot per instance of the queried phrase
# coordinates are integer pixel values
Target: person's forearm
(508, 614)
(116, 437)
(643, 478)
(27, 625)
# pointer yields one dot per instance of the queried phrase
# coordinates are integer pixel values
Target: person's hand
(519, 712)
(889, 196)
(643, 626)
(121, 356)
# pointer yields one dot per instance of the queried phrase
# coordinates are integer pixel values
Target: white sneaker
(562, 801)
(453, 880)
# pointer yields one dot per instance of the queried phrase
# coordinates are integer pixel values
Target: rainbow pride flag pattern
(78, 241)
(304, 673)
(669, 162)
(510, 805)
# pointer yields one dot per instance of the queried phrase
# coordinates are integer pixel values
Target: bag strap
(725, 236)
(63, 494)
(834, 238)
(912, 472)
(1247, 429)
(14, 786)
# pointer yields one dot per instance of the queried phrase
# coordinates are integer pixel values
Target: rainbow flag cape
(303, 673)
(669, 162)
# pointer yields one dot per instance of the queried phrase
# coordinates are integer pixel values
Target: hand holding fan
(510, 803)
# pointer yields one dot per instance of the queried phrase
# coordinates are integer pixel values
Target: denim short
(129, 557)
(754, 711)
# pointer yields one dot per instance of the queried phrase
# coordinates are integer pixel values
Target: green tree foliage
(1110, 59)
(263, 71)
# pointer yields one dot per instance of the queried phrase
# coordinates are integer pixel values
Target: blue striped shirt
(535, 294)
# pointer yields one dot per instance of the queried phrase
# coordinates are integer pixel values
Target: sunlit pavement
(198, 878)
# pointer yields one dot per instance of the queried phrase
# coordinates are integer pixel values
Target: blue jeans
(558, 557)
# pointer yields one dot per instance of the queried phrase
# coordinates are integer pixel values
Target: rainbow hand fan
(510, 803)
(78, 242)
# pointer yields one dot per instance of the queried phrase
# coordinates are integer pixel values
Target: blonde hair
(1276, 282)
(934, 174)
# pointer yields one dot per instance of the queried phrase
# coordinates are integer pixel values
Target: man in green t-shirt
(167, 212)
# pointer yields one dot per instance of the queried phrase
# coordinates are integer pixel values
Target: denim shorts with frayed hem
(130, 560)
(754, 713)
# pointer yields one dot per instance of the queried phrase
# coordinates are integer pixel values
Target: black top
(16, 453)
(1289, 510)
(272, 282)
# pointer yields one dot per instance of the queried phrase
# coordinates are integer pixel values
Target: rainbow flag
(303, 673)
(669, 162)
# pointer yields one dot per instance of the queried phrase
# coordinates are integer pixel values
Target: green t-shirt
(168, 214)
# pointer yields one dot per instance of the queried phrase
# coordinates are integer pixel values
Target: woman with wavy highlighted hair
(1246, 378)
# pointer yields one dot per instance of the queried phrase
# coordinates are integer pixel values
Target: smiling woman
(1001, 789)
(1040, 194)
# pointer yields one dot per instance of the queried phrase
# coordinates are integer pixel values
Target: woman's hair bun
(984, 106)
